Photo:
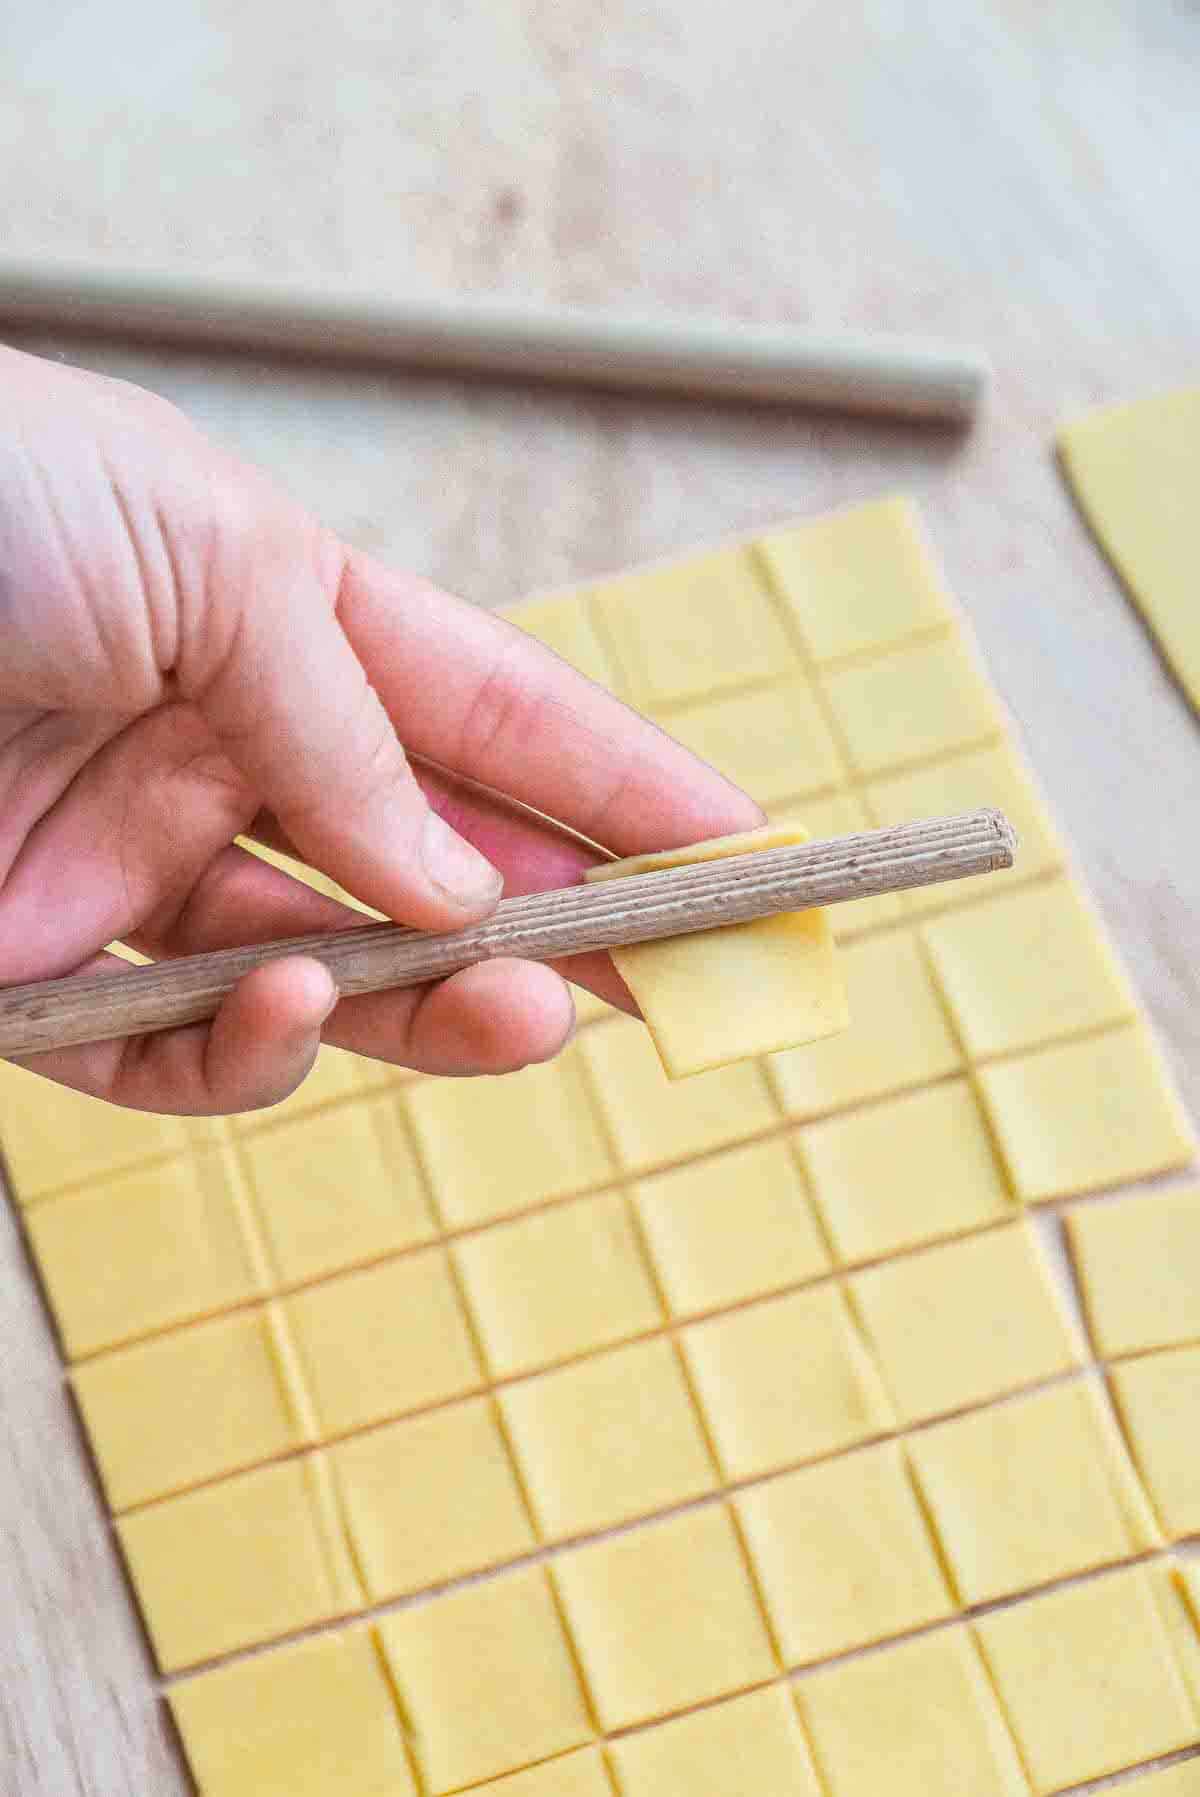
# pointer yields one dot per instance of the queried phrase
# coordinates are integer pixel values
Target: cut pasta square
(736, 1225)
(1139, 1265)
(773, 741)
(608, 1439)
(430, 1498)
(784, 1380)
(378, 1343)
(755, 1740)
(664, 1617)
(1086, 1114)
(918, 702)
(1158, 1397)
(485, 1680)
(963, 1322)
(557, 1284)
(243, 1561)
(843, 1554)
(1060, 1661)
(563, 623)
(54, 1137)
(1031, 1490)
(904, 1172)
(580, 1773)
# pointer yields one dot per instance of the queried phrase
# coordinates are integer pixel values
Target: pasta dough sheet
(764, 1364)
(1135, 471)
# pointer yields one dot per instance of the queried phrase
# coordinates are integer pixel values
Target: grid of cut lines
(558, 1236)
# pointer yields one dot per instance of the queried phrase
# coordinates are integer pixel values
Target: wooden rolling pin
(764, 364)
(568, 921)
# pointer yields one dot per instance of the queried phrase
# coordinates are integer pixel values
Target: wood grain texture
(1002, 174)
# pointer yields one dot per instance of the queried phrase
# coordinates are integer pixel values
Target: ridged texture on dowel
(766, 364)
(571, 920)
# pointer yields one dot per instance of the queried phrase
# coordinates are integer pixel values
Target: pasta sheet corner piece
(746, 989)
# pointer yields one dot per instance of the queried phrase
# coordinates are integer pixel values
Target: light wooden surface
(1015, 175)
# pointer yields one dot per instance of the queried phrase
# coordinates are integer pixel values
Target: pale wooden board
(996, 174)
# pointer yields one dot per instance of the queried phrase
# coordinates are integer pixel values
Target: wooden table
(993, 173)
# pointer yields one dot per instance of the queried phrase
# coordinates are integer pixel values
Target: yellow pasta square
(337, 1188)
(664, 1617)
(312, 1720)
(992, 776)
(1096, 1676)
(752, 1743)
(1086, 1114)
(733, 1226)
(857, 580)
(966, 1321)
(904, 1172)
(1029, 1491)
(1158, 1397)
(654, 1122)
(898, 1036)
(843, 1555)
(429, 1499)
(691, 628)
(145, 1250)
(783, 1380)
(191, 1405)
(1026, 968)
(563, 623)
(607, 1439)
(52, 1137)
(715, 996)
(556, 1284)
(842, 814)
(1138, 1261)
(915, 1720)
(494, 1146)
(378, 1343)
(773, 741)
(911, 705)
(243, 1561)
(485, 1680)
(577, 1774)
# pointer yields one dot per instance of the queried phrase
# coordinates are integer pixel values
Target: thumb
(292, 708)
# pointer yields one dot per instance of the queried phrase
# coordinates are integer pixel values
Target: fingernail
(461, 872)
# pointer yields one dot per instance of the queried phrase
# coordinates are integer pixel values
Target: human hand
(188, 656)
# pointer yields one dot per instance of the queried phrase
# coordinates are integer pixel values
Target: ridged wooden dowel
(762, 364)
(569, 921)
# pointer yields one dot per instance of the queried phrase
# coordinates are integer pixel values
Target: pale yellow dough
(784, 1380)
(611, 1438)
(1135, 471)
(313, 1720)
(1027, 968)
(858, 581)
(905, 1172)
(54, 1137)
(695, 627)
(664, 1617)
(430, 1498)
(736, 1225)
(254, 1557)
(563, 623)
(652, 1121)
(1086, 1114)
(560, 1283)
(1158, 1396)
(843, 1554)
(1096, 1676)
(963, 1322)
(752, 1743)
(1031, 1490)
(145, 1250)
(192, 1405)
(496, 1146)
(378, 1343)
(914, 1720)
(1138, 1261)
(899, 1035)
(717, 996)
(921, 701)
(485, 1680)
(578, 1774)
(337, 1188)
(773, 741)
